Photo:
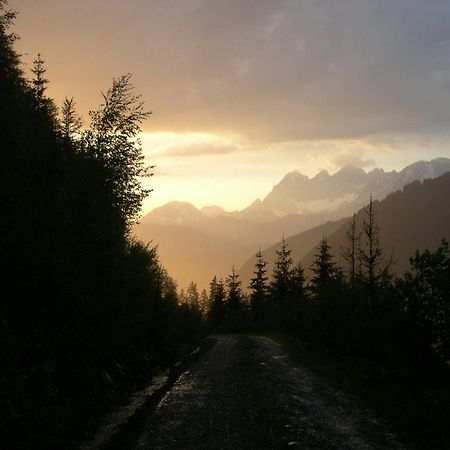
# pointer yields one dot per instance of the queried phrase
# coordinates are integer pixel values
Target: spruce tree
(234, 291)
(258, 287)
(281, 274)
(297, 282)
(375, 270)
(323, 268)
(216, 314)
(45, 105)
(192, 296)
(39, 82)
(71, 122)
(204, 303)
(351, 252)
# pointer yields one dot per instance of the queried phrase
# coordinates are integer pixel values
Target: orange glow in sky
(243, 92)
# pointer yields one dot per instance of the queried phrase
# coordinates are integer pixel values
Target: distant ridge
(414, 218)
(296, 204)
(336, 195)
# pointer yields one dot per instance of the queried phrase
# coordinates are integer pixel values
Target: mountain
(174, 213)
(296, 204)
(213, 211)
(333, 196)
(339, 194)
(414, 218)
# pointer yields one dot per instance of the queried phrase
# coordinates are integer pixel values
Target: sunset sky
(243, 91)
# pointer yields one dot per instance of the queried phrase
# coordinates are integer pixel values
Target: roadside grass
(418, 413)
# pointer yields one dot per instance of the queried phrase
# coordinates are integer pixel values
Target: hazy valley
(291, 311)
(196, 245)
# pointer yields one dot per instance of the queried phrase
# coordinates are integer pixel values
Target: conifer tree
(297, 283)
(216, 313)
(323, 268)
(204, 303)
(39, 81)
(281, 274)
(374, 268)
(351, 252)
(71, 122)
(234, 291)
(39, 86)
(426, 300)
(258, 286)
(192, 296)
(182, 297)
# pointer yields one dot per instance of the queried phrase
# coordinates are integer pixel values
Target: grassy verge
(417, 412)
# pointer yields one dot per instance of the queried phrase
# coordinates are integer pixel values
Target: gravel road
(246, 393)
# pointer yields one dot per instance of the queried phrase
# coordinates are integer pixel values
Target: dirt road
(246, 393)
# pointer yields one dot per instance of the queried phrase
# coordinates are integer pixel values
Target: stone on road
(246, 393)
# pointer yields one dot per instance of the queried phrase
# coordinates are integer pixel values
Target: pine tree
(426, 301)
(71, 122)
(234, 291)
(182, 300)
(258, 287)
(216, 315)
(39, 81)
(374, 268)
(323, 268)
(192, 296)
(351, 253)
(281, 274)
(297, 283)
(204, 303)
(39, 86)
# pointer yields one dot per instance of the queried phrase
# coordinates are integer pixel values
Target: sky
(244, 91)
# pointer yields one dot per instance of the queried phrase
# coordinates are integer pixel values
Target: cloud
(274, 70)
(354, 159)
(200, 149)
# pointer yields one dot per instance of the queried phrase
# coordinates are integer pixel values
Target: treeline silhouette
(359, 309)
(87, 314)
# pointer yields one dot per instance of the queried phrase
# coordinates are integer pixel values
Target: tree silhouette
(113, 140)
(374, 269)
(234, 291)
(352, 252)
(204, 303)
(192, 296)
(216, 315)
(426, 298)
(297, 283)
(259, 287)
(281, 274)
(39, 81)
(85, 310)
(71, 122)
(324, 268)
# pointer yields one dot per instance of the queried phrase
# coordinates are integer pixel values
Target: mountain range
(196, 244)
(414, 218)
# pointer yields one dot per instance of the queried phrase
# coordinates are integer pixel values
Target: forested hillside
(410, 219)
(89, 314)
(86, 312)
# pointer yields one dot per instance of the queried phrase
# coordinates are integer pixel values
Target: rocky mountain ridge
(337, 195)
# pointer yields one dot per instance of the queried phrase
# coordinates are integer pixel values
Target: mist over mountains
(196, 244)
(336, 195)
(410, 219)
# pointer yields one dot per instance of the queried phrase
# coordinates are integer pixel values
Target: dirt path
(246, 393)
